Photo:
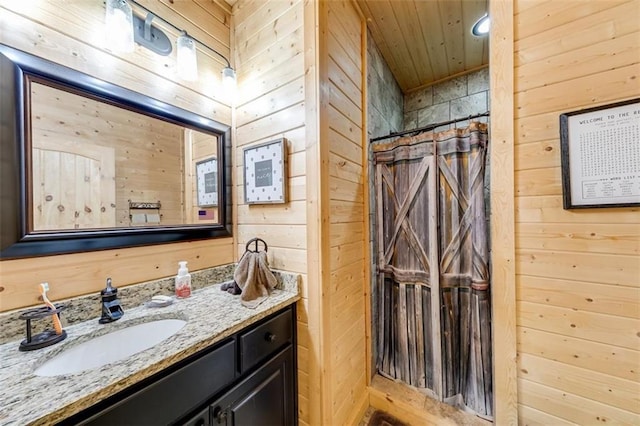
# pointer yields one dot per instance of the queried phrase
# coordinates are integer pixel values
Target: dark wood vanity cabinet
(265, 397)
(247, 379)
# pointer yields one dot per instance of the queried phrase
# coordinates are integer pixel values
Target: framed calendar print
(265, 167)
(207, 182)
(600, 156)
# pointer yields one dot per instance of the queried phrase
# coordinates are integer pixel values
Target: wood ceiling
(424, 41)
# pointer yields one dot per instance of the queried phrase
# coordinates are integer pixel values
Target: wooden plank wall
(270, 104)
(148, 170)
(577, 272)
(199, 147)
(344, 132)
(503, 297)
(72, 34)
(306, 85)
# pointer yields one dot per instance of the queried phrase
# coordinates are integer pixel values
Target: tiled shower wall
(384, 116)
(452, 99)
(385, 97)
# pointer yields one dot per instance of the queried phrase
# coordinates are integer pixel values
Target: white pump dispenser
(183, 281)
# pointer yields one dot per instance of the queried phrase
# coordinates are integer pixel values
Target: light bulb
(229, 78)
(119, 26)
(187, 58)
(228, 83)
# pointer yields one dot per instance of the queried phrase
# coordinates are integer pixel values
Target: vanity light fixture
(119, 26)
(229, 78)
(148, 35)
(187, 57)
(153, 38)
(481, 27)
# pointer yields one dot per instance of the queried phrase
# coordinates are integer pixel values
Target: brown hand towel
(255, 278)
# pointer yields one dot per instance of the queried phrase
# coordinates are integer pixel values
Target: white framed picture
(265, 168)
(207, 182)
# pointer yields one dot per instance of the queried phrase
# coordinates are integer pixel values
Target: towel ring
(256, 241)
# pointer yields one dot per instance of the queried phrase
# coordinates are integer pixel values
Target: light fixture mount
(148, 35)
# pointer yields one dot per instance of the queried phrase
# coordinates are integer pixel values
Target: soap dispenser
(183, 281)
(111, 309)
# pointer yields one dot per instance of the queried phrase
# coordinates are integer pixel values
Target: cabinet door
(200, 419)
(171, 397)
(267, 397)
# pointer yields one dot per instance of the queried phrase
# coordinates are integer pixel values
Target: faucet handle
(111, 308)
(109, 290)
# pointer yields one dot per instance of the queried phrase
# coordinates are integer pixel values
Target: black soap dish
(47, 337)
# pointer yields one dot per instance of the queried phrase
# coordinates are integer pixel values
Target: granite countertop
(211, 316)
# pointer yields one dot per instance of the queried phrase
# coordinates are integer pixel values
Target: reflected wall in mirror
(97, 166)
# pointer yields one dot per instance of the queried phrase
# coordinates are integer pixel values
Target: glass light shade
(187, 58)
(228, 78)
(119, 26)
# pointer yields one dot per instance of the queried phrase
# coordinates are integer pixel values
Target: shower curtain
(432, 265)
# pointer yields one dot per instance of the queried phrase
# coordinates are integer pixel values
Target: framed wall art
(600, 153)
(265, 167)
(207, 182)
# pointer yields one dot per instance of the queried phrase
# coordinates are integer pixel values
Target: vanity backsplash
(87, 307)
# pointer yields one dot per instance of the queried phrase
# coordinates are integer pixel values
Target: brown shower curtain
(433, 302)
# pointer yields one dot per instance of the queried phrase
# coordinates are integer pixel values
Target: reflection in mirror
(88, 165)
(96, 165)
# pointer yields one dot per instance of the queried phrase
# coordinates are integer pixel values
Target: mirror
(88, 165)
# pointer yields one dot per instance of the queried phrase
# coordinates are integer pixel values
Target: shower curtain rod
(429, 127)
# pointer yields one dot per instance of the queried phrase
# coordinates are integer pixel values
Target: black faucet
(111, 309)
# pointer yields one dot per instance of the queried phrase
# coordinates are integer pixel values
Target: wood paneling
(502, 215)
(607, 268)
(564, 405)
(73, 39)
(580, 295)
(149, 170)
(271, 104)
(548, 209)
(587, 354)
(71, 34)
(346, 354)
(531, 417)
(71, 275)
(427, 41)
(591, 385)
(604, 328)
(578, 282)
(597, 238)
(198, 147)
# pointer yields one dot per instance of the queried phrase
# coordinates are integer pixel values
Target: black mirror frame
(15, 241)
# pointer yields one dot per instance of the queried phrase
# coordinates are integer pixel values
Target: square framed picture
(265, 168)
(207, 182)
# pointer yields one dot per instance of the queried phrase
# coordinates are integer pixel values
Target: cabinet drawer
(265, 339)
(170, 397)
(200, 419)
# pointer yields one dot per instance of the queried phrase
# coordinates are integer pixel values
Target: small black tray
(47, 337)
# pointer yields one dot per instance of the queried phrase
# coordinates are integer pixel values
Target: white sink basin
(109, 348)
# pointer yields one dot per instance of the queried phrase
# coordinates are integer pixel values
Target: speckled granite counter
(211, 315)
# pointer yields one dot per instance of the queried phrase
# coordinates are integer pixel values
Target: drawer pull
(269, 337)
(220, 415)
